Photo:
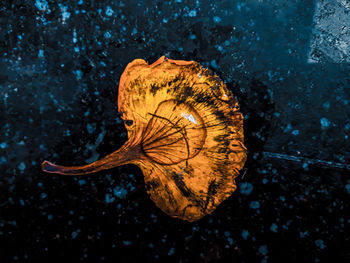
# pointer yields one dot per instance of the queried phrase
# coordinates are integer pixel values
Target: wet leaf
(185, 133)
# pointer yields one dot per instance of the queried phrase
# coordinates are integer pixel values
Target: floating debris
(185, 133)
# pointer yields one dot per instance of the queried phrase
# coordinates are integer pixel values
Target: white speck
(225, 95)
(65, 13)
(3, 145)
(193, 13)
(107, 35)
(189, 117)
(75, 36)
(219, 48)
(109, 11)
(326, 105)
(22, 166)
(217, 19)
(325, 123)
(78, 74)
(41, 53)
(42, 5)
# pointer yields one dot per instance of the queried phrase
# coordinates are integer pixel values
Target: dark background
(60, 66)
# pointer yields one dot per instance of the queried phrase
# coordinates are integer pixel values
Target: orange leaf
(185, 133)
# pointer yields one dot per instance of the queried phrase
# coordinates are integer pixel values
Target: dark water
(287, 63)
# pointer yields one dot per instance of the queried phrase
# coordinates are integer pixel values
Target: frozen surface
(286, 61)
(331, 34)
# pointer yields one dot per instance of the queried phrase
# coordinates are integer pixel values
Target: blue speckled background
(286, 61)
